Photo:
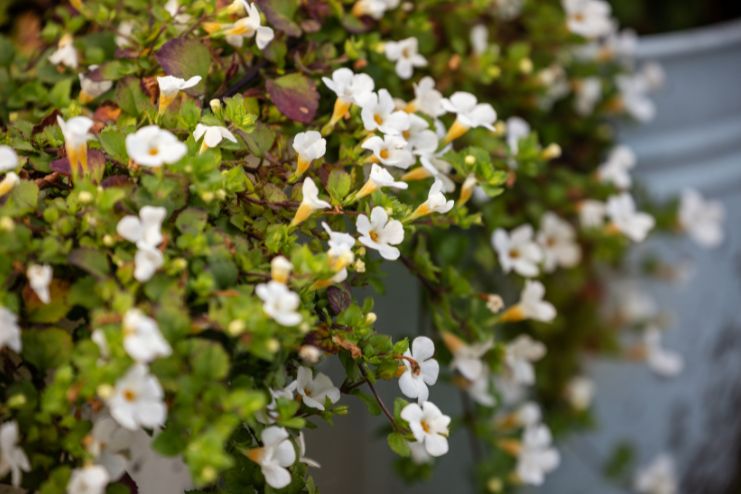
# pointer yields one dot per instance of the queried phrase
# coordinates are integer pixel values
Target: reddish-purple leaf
(295, 96)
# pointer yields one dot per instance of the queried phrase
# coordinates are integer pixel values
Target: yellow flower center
(129, 395)
(425, 426)
(153, 151)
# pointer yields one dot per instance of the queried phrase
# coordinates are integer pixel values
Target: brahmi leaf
(280, 15)
(295, 96)
(185, 58)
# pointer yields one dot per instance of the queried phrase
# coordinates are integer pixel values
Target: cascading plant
(192, 191)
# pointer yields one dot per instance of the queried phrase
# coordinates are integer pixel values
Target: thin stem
(380, 402)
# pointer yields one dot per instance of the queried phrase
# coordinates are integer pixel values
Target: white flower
(531, 305)
(467, 357)
(248, 27)
(429, 426)
(436, 202)
(76, 133)
(12, 457)
(634, 96)
(270, 414)
(314, 390)
(173, 7)
(558, 243)
(65, 53)
(108, 440)
(8, 158)
(390, 150)
(537, 457)
(379, 178)
(469, 114)
(379, 113)
(420, 369)
(479, 38)
(528, 414)
(340, 253)
(662, 361)
(212, 135)
(616, 170)
(580, 392)
(280, 269)
(10, 333)
(592, 213)
(406, 55)
(91, 89)
(170, 86)
(519, 356)
(152, 146)
(302, 453)
(508, 9)
(588, 94)
(39, 278)
(380, 233)
(275, 456)
(421, 140)
(279, 303)
(701, 219)
(310, 202)
(418, 453)
(588, 18)
(427, 99)
(659, 477)
(479, 391)
(145, 232)
(123, 34)
(517, 251)
(374, 8)
(350, 88)
(8, 183)
(517, 129)
(622, 213)
(91, 479)
(137, 400)
(309, 146)
(142, 338)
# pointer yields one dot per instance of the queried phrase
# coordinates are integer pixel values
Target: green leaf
(114, 143)
(295, 96)
(209, 360)
(185, 58)
(171, 441)
(131, 98)
(46, 348)
(92, 261)
(398, 444)
(338, 185)
(59, 94)
(22, 199)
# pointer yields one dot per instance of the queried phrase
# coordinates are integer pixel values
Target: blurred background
(694, 141)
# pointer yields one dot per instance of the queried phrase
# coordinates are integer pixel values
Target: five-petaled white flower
(664, 362)
(248, 27)
(279, 302)
(479, 38)
(420, 369)
(373, 8)
(350, 88)
(519, 357)
(592, 213)
(427, 99)
(91, 479)
(537, 456)
(310, 202)
(436, 202)
(517, 251)
(309, 146)
(10, 333)
(39, 278)
(469, 114)
(340, 253)
(170, 86)
(658, 477)
(212, 135)
(12, 457)
(8, 158)
(616, 170)
(467, 357)
(137, 400)
(146, 232)
(107, 443)
(634, 96)
(379, 113)
(90, 88)
(390, 150)
(421, 140)
(76, 133)
(580, 392)
(624, 218)
(142, 338)
(314, 390)
(380, 233)
(588, 92)
(701, 219)
(275, 456)
(588, 18)
(65, 54)
(429, 426)
(379, 178)
(557, 240)
(531, 305)
(406, 55)
(152, 146)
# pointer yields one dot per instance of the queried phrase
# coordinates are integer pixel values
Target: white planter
(695, 141)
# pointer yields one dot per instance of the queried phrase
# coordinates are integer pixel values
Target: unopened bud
(207, 196)
(494, 303)
(526, 66)
(359, 266)
(108, 240)
(105, 391)
(272, 345)
(552, 151)
(85, 197)
(215, 105)
(470, 159)
(371, 317)
(310, 354)
(7, 224)
(236, 327)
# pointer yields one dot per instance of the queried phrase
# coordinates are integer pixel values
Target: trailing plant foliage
(193, 191)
